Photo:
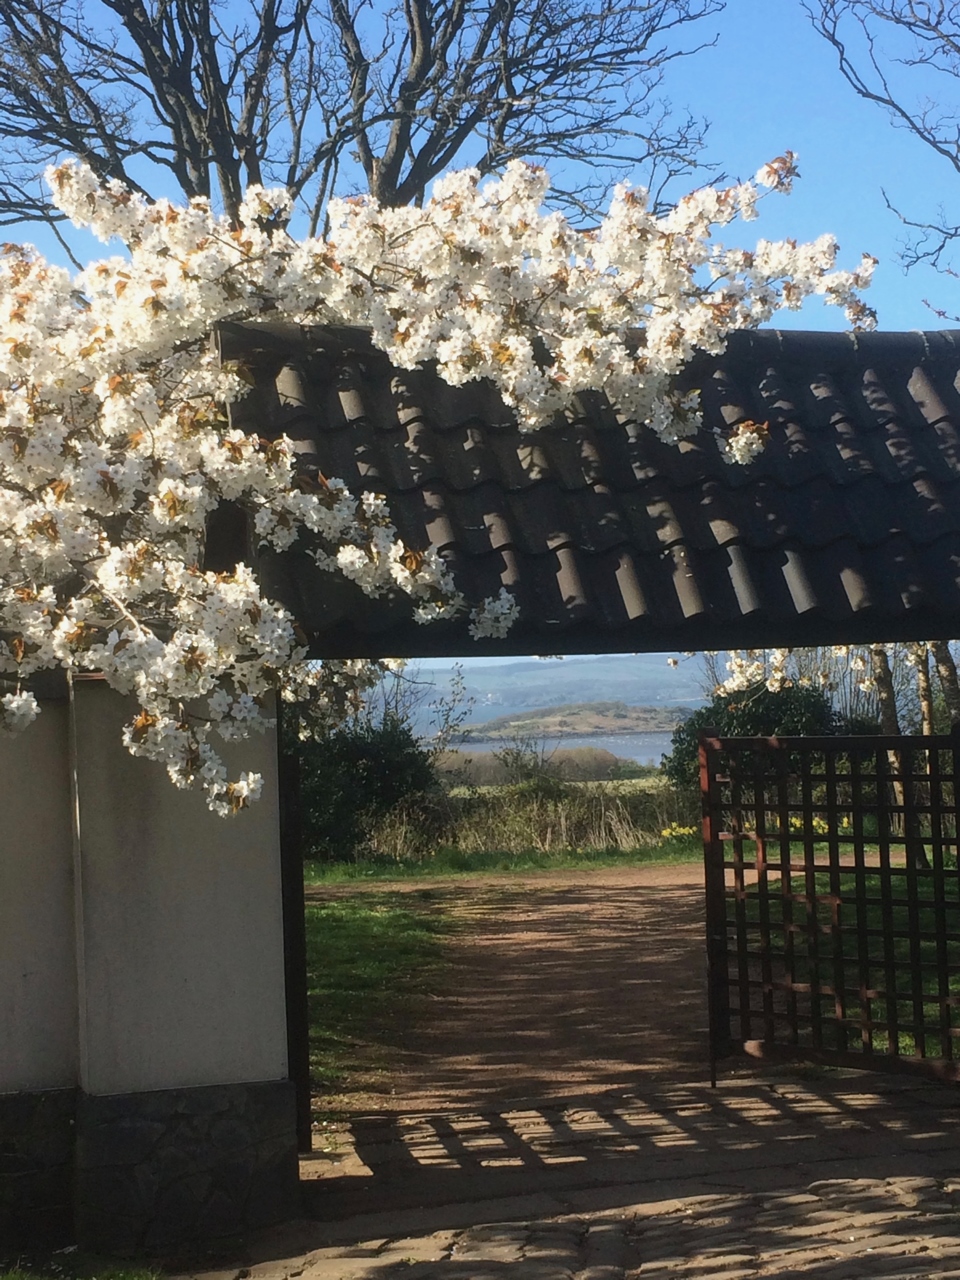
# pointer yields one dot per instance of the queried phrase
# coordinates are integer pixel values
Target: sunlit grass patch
(368, 958)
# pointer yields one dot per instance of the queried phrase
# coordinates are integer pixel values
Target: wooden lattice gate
(833, 899)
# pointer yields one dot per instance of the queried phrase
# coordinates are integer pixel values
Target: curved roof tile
(845, 529)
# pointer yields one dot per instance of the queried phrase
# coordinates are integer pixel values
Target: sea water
(645, 748)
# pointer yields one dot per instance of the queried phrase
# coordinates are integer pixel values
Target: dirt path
(559, 983)
(548, 1118)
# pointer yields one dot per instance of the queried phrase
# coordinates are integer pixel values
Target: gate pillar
(184, 1119)
(38, 985)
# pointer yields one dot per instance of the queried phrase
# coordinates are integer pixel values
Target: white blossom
(115, 446)
(17, 710)
(494, 618)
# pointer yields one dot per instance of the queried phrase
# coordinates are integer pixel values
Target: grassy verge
(543, 814)
(456, 862)
(368, 958)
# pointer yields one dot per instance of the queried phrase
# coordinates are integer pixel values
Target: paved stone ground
(836, 1178)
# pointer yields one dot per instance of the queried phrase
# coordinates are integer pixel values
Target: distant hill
(577, 719)
(503, 689)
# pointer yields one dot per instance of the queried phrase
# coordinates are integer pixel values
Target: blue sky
(772, 83)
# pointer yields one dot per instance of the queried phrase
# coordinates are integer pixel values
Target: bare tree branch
(904, 56)
(337, 95)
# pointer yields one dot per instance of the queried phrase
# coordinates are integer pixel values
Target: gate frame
(724, 952)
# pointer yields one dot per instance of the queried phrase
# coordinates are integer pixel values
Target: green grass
(368, 958)
(821, 953)
(457, 862)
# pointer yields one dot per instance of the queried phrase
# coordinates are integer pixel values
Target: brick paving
(835, 1179)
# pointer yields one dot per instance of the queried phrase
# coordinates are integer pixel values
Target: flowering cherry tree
(776, 668)
(864, 681)
(115, 446)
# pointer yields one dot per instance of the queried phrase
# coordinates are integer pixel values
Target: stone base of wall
(178, 1168)
(36, 1168)
(146, 1172)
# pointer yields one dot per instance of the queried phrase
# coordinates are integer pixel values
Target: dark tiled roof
(845, 529)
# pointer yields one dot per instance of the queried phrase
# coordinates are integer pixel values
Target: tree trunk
(886, 696)
(921, 790)
(949, 682)
(890, 726)
(921, 658)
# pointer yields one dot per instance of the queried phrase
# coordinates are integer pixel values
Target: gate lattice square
(833, 899)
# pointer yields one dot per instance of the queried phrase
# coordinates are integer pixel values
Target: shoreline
(573, 733)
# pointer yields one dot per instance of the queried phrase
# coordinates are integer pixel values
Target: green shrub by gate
(833, 899)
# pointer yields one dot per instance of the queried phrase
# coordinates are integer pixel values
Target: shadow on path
(831, 1180)
(548, 1118)
(555, 989)
(750, 1132)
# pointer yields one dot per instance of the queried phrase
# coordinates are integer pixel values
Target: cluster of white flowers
(494, 618)
(18, 710)
(486, 283)
(749, 668)
(746, 441)
(856, 660)
(115, 446)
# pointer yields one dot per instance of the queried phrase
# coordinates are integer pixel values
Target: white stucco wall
(180, 934)
(38, 990)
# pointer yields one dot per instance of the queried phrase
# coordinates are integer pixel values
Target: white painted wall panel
(182, 937)
(38, 989)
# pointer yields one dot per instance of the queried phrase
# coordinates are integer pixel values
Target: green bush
(542, 815)
(351, 778)
(794, 711)
(573, 764)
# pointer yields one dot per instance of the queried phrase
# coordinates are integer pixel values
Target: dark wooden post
(718, 1000)
(294, 926)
